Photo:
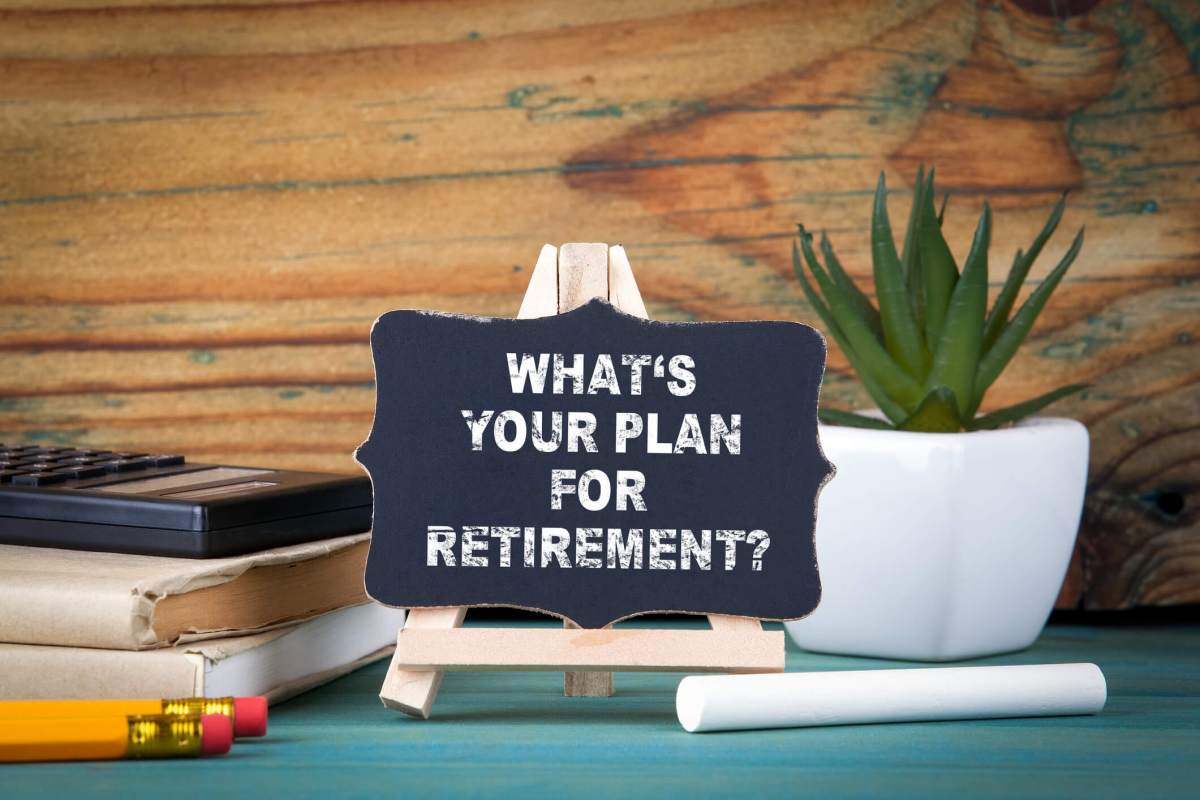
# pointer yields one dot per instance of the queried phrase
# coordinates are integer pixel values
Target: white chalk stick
(802, 699)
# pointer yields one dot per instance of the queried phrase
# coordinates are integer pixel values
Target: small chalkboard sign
(594, 465)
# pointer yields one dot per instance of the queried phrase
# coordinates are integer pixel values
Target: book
(278, 663)
(131, 602)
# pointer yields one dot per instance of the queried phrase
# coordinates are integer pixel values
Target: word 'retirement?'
(592, 548)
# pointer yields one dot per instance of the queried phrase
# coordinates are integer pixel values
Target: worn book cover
(132, 602)
(277, 663)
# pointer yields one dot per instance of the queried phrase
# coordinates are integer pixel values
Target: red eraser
(216, 734)
(250, 716)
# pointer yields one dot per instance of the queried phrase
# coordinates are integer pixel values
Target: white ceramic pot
(938, 547)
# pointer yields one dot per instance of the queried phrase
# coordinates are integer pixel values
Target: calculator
(162, 504)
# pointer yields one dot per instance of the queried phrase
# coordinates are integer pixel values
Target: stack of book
(275, 623)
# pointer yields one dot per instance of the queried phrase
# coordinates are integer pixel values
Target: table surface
(515, 734)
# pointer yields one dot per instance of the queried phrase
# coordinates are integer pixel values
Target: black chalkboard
(595, 465)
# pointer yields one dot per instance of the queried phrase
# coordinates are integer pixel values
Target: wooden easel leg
(583, 274)
(413, 692)
(726, 624)
(586, 684)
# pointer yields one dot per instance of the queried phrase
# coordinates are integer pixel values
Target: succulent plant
(928, 354)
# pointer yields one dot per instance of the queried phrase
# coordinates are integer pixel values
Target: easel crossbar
(601, 650)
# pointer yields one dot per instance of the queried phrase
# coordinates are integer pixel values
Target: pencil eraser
(250, 716)
(216, 734)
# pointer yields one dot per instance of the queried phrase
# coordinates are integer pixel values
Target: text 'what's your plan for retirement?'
(595, 465)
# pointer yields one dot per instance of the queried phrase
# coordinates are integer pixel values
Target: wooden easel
(433, 641)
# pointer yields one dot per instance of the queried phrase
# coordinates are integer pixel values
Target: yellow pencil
(248, 714)
(96, 738)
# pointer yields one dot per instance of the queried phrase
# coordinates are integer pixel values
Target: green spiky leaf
(937, 413)
(910, 260)
(956, 356)
(1010, 338)
(899, 328)
(894, 380)
(862, 303)
(831, 416)
(938, 269)
(1019, 411)
(890, 407)
(909, 250)
(1016, 276)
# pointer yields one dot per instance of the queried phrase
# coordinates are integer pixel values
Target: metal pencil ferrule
(201, 706)
(164, 735)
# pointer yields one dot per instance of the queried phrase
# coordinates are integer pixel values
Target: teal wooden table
(516, 735)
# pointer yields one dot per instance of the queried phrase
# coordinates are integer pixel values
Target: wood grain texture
(203, 206)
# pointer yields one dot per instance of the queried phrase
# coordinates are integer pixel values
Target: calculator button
(38, 479)
(129, 455)
(123, 464)
(167, 460)
(40, 466)
(6, 475)
(81, 471)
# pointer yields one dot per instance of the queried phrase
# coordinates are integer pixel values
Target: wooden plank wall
(203, 206)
